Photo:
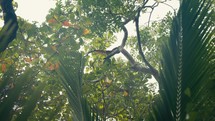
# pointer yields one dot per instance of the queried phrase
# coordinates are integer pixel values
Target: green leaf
(187, 92)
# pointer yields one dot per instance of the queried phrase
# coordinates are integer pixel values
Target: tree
(39, 48)
(73, 76)
(112, 18)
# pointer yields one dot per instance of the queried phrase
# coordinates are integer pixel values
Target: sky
(36, 10)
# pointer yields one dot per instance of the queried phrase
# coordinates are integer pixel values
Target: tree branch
(117, 50)
(8, 32)
(153, 71)
(125, 36)
(135, 66)
(152, 7)
(104, 52)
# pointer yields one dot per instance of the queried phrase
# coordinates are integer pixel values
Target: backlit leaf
(28, 60)
(66, 23)
(51, 21)
(3, 68)
(125, 93)
(86, 31)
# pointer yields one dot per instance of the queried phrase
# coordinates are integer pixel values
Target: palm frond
(7, 103)
(31, 103)
(187, 71)
(70, 74)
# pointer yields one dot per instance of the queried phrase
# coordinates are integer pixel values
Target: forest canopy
(74, 67)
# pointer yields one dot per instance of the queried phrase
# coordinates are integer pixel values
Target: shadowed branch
(153, 70)
(8, 32)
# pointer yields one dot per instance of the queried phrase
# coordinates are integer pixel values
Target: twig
(169, 6)
(152, 7)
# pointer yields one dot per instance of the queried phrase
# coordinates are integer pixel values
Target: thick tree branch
(153, 71)
(128, 56)
(103, 52)
(118, 49)
(125, 36)
(8, 32)
(135, 66)
(113, 52)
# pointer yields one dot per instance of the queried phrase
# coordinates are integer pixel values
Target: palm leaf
(31, 103)
(187, 71)
(7, 104)
(70, 74)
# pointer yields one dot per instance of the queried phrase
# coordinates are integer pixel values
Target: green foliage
(69, 74)
(30, 103)
(115, 91)
(187, 71)
(67, 80)
(108, 15)
(12, 94)
(152, 38)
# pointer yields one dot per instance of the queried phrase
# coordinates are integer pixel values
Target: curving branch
(8, 32)
(125, 36)
(113, 52)
(152, 9)
(117, 50)
(152, 69)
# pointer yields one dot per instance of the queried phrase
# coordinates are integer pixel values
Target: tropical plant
(70, 74)
(187, 78)
(74, 76)
(13, 97)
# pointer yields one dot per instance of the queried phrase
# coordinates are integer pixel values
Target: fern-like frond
(187, 71)
(70, 73)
